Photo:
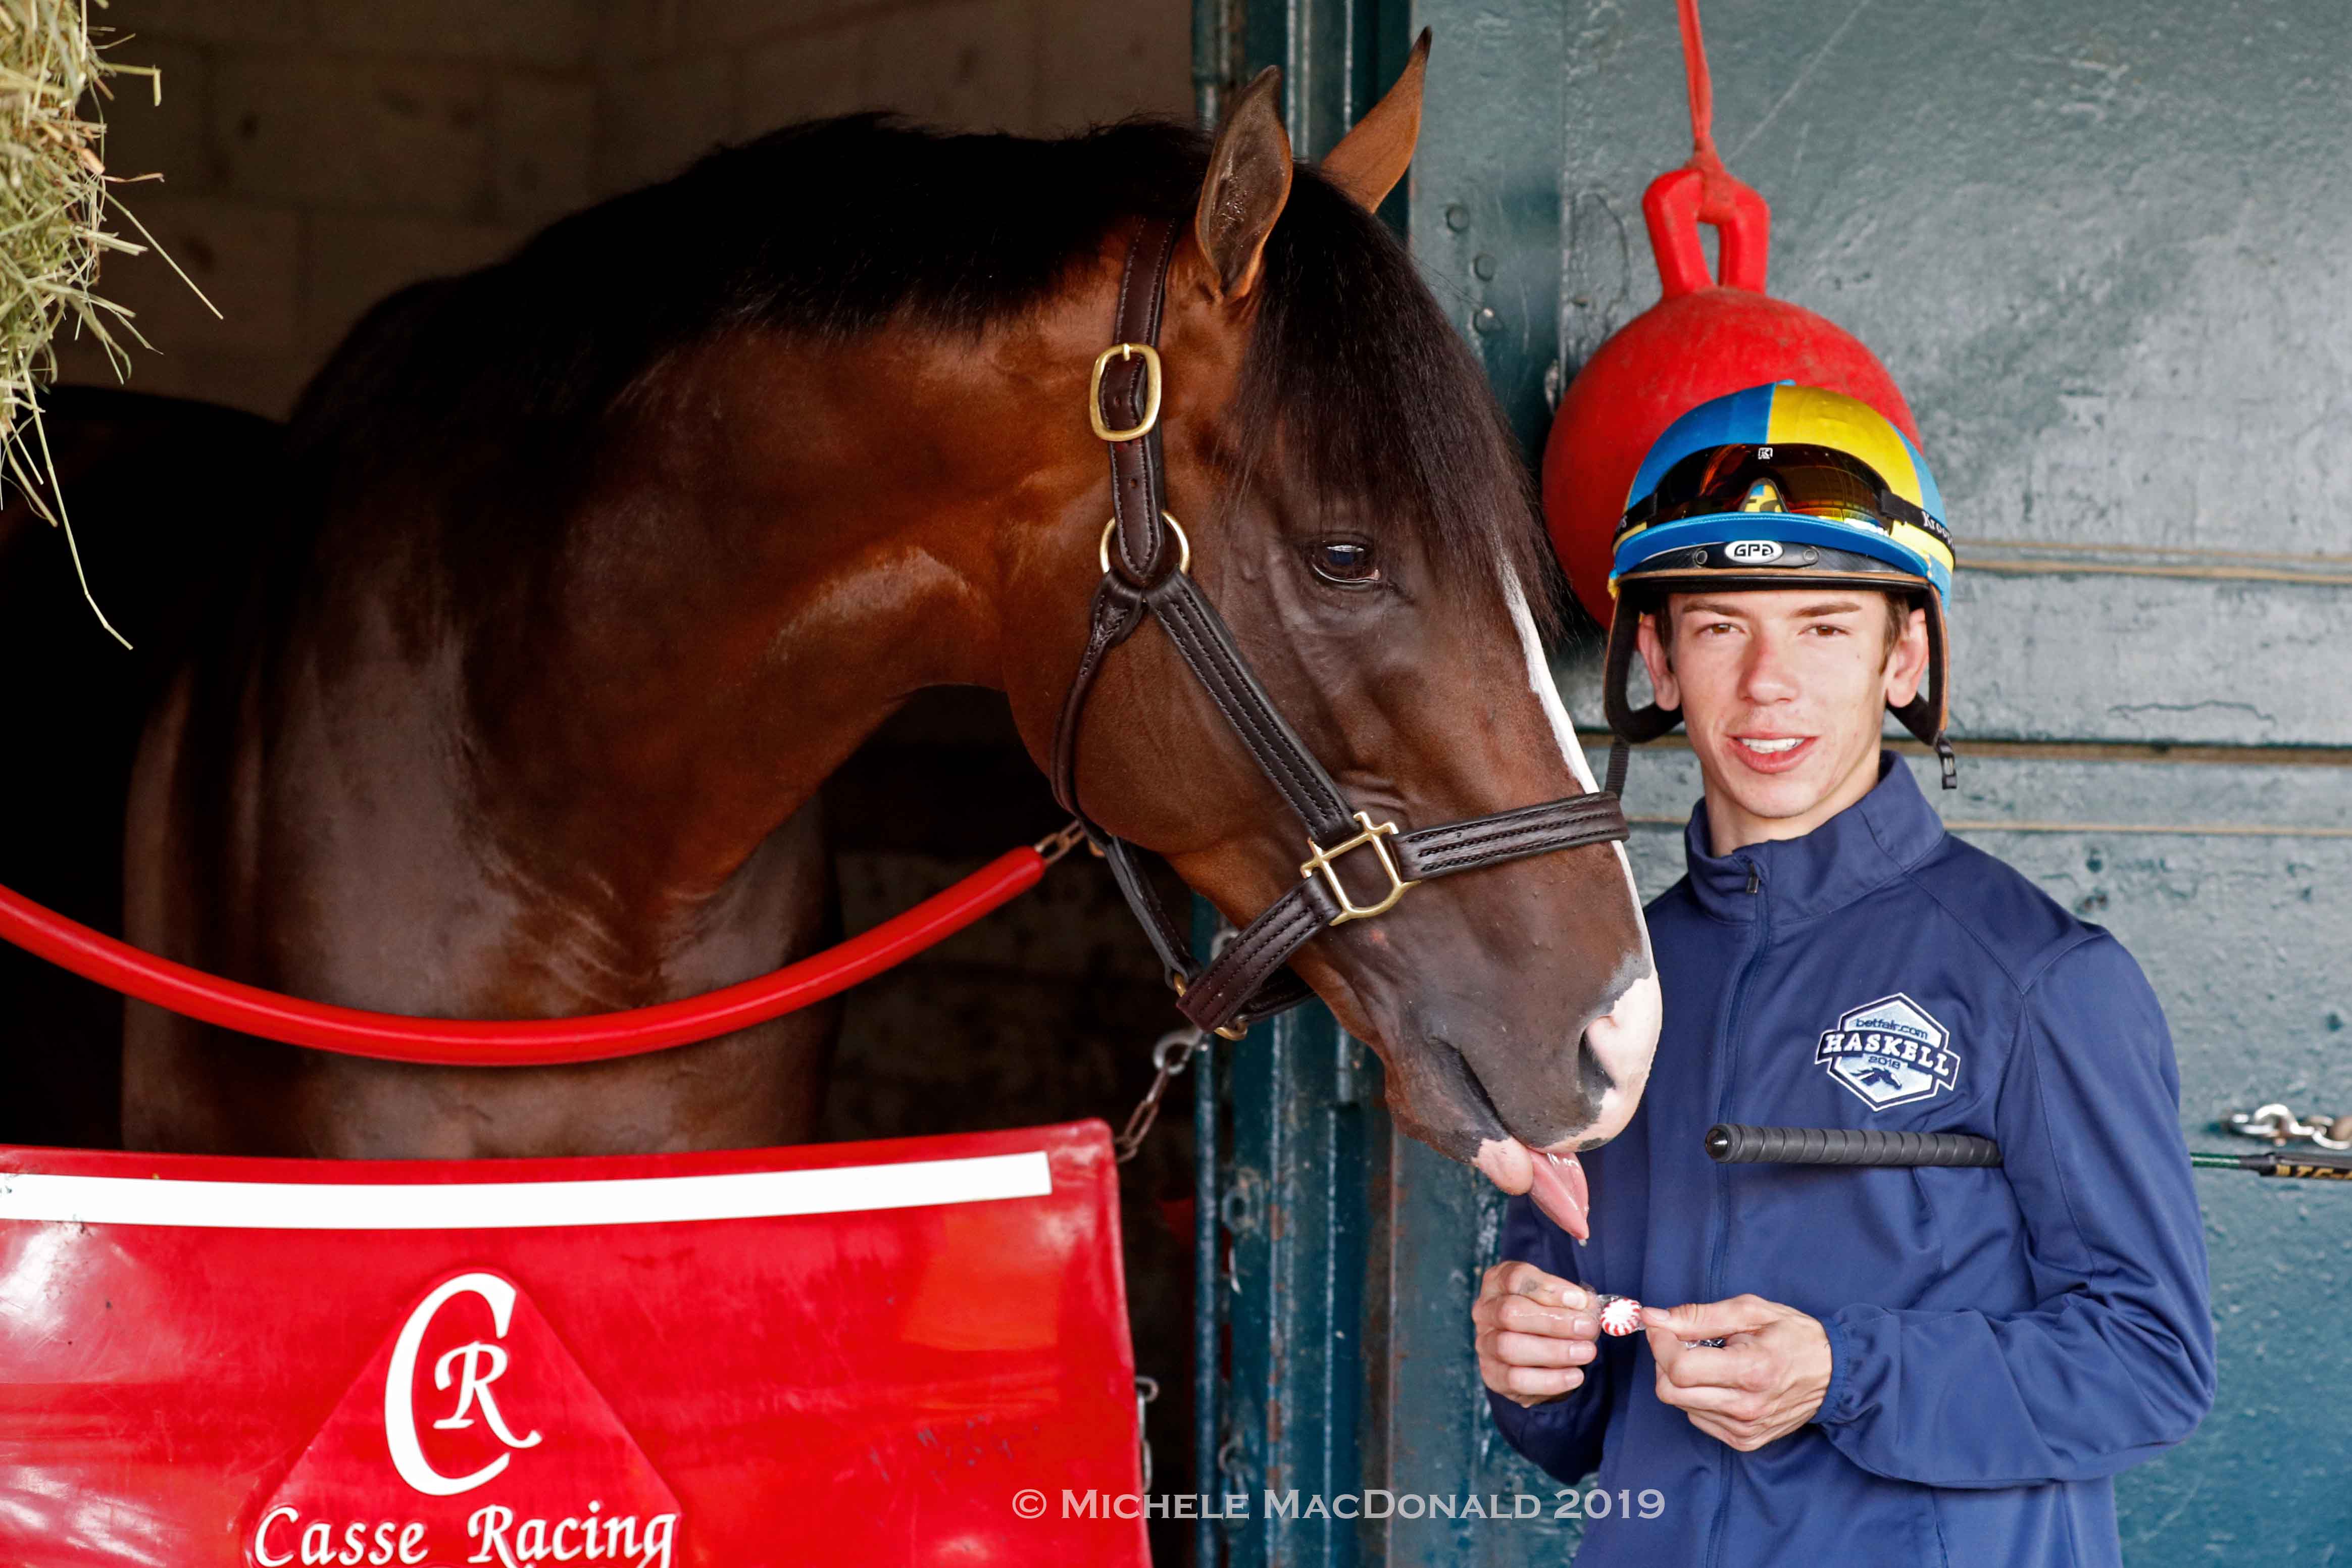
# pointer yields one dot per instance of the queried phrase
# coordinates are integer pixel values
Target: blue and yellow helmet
(1781, 485)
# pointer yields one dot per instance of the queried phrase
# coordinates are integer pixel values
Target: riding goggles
(1805, 481)
(1789, 491)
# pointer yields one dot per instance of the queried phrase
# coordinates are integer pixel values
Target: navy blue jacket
(2002, 1341)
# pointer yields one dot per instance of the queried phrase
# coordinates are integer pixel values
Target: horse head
(1352, 503)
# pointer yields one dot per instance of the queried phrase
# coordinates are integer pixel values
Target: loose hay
(54, 199)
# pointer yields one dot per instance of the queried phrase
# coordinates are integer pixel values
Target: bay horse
(596, 561)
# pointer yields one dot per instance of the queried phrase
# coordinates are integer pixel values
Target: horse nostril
(1613, 1067)
(1627, 1034)
(1592, 1075)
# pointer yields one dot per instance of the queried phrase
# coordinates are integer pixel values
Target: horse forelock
(1381, 403)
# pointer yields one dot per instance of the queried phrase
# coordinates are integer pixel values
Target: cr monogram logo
(483, 1364)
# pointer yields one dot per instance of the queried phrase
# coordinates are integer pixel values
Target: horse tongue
(1556, 1182)
(1561, 1192)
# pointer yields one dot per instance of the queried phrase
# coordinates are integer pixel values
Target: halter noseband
(1145, 558)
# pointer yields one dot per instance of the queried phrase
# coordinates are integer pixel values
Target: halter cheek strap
(1145, 556)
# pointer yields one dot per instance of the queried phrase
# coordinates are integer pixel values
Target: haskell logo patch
(1890, 1053)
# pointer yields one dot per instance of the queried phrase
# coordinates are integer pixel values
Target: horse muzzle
(1523, 1119)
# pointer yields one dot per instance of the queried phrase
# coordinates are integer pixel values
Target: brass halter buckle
(1374, 834)
(1151, 390)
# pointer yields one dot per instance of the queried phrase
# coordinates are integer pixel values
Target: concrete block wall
(316, 154)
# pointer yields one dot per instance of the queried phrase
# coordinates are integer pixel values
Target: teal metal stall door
(2102, 245)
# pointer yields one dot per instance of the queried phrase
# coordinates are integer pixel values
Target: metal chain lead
(1170, 1054)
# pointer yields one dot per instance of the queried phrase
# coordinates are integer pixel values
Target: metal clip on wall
(2278, 1124)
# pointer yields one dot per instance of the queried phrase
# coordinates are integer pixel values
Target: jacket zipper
(1727, 1042)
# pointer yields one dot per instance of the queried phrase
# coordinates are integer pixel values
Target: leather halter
(1145, 558)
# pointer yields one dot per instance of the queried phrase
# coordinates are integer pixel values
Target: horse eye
(1345, 563)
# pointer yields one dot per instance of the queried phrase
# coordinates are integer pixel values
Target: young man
(1918, 1365)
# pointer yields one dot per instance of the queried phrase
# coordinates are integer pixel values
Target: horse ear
(1371, 158)
(1248, 183)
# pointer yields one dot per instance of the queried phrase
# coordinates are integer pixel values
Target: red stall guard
(886, 1353)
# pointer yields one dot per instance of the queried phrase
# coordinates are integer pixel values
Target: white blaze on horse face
(1546, 689)
(1624, 1038)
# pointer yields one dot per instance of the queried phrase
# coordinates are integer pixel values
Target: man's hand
(1536, 1331)
(1765, 1382)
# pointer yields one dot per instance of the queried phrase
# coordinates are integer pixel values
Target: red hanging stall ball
(1703, 340)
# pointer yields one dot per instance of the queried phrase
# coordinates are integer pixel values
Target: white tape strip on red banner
(505, 1205)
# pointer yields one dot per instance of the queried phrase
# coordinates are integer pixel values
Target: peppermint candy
(1621, 1315)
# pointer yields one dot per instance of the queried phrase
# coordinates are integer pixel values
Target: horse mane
(836, 226)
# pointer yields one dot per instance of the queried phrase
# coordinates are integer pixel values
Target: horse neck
(787, 540)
